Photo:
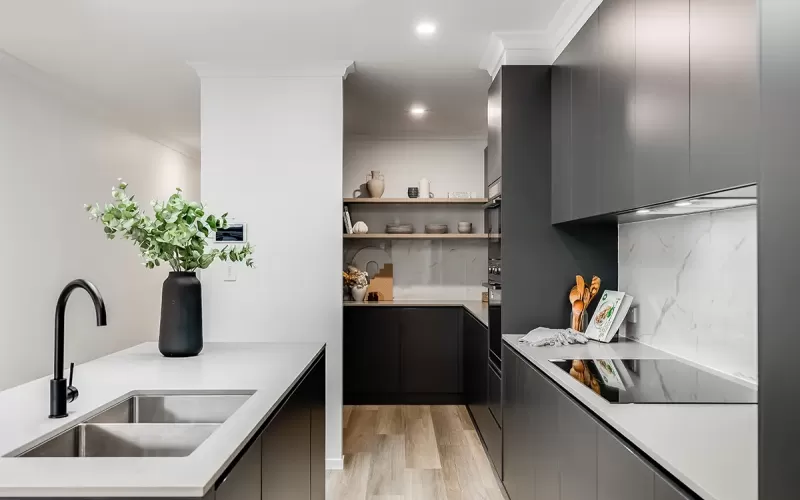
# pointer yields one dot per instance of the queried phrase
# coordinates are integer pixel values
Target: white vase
(375, 184)
(358, 293)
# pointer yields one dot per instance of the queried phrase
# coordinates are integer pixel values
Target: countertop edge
(476, 308)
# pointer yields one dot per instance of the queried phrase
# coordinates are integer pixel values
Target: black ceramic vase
(181, 333)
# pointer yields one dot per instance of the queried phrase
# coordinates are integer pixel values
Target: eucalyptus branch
(178, 233)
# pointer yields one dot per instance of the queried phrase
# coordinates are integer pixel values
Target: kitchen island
(620, 451)
(281, 423)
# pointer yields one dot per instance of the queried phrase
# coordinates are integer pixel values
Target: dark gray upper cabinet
(561, 150)
(494, 159)
(585, 125)
(616, 53)
(725, 93)
(662, 96)
(621, 474)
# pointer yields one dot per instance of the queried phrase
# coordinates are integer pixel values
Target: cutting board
(383, 283)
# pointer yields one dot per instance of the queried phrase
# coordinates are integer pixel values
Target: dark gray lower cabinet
(621, 474)
(577, 457)
(406, 355)
(287, 461)
(553, 449)
(244, 480)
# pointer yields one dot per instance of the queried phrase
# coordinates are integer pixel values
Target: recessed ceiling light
(417, 111)
(643, 211)
(426, 28)
(684, 204)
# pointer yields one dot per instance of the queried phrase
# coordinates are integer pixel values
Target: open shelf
(416, 236)
(418, 201)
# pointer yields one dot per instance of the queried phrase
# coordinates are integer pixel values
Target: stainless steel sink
(173, 408)
(144, 425)
(125, 440)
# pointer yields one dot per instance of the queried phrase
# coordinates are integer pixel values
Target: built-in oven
(494, 284)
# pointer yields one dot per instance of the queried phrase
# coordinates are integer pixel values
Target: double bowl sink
(144, 425)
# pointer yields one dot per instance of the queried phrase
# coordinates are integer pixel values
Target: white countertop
(712, 449)
(478, 309)
(270, 369)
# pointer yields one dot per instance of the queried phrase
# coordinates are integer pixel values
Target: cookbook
(609, 316)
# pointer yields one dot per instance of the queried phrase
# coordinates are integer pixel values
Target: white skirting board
(334, 463)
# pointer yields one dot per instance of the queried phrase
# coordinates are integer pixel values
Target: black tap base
(58, 398)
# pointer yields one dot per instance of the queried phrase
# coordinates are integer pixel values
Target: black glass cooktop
(655, 381)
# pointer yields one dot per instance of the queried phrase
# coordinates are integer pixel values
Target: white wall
(694, 279)
(272, 157)
(54, 157)
(448, 269)
(450, 164)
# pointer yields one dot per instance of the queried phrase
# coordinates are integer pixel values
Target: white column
(271, 156)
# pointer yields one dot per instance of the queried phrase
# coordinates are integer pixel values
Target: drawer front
(495, 395)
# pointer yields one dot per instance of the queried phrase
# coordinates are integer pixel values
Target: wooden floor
(412, 453)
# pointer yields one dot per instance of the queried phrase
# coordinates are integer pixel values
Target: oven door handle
(493, 286)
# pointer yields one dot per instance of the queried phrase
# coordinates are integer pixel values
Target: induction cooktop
(655, 381)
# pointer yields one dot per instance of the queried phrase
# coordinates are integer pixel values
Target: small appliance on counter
(655, 381)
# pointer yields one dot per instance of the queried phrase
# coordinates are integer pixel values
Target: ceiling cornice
(284, 69)
(84, 104)
(538, 47)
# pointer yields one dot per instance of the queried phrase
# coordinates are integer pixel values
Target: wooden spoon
(586, 297)
(581, 285)
(577, 310)
(594, 288)
(573, 294)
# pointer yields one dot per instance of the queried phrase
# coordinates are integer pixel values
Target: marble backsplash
(694, 280)
(432, 269)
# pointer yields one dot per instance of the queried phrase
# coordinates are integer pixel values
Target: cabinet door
(544, 441)
(494, 148)
(725, 93)
(515, 451)
(578, 452)
(476, 352)
(616, 54)
(621, 474)
(243, 482)
(286, 451)
(371, 351)
(429, 352)
(662, 101)
(561, 139)
(584, 121)
(666, 490)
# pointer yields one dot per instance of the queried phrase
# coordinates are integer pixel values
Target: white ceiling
(131, 55)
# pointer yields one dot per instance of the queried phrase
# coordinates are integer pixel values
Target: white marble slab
(270, 369)
(712, 449)
(694, 279)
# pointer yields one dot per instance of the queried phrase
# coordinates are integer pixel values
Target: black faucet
(62, 393)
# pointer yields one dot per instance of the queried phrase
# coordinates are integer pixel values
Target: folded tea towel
(542, 337)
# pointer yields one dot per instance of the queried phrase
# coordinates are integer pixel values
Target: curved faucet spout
(59, 391)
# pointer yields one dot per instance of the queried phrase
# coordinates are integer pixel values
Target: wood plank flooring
(412, 453)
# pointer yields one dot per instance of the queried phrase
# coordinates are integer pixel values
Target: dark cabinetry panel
(561, 148)
(665, 490)
(494, 168)
(662, 101)
(621, 474)
(402, 355)
(616, 55)
(577, 455)
(430, 353)
(585, 125)
(655, 100)
(725, 94)
(371, 350)
(476, 354)
(244, 481)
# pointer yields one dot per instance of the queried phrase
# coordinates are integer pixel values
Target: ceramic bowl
(436, 228)
(465, 227)
(413, 192)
